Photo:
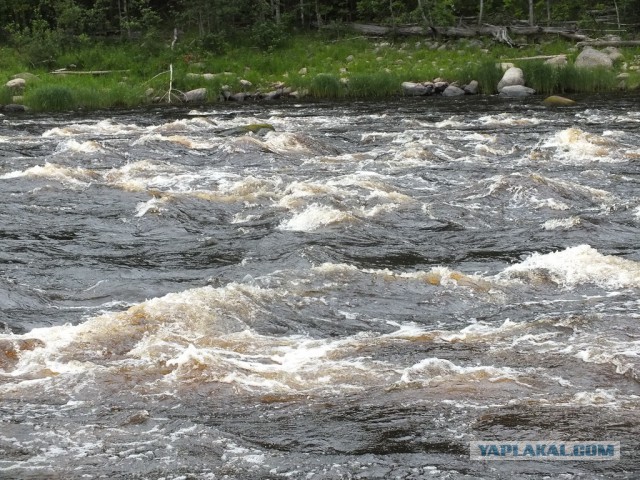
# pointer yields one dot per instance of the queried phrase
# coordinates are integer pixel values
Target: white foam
(579, 265)
(574, 145)
(564, 223)
(314, 217)
(90, 146)
(436, 370)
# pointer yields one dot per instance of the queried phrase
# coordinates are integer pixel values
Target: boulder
(516, 91)
(471, 88)
(414, 89)
(453, 91)
(592, 58)
(245, 83)
(613, 53)
(512, 77)
(303, 71)
(440, 86)
(26, 76)
(198, 95)
(16, 84)
(557, 61)
(558, 101)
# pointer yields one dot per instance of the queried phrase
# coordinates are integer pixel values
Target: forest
(213, 21)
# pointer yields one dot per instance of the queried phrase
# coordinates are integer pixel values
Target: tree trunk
(531, 13)
(318, 16)
(481, 12)
(421, 7)
(302, 12)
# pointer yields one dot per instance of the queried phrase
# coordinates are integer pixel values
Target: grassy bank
(319, 66)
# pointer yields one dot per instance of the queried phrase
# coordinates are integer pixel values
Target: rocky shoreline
(512, 83)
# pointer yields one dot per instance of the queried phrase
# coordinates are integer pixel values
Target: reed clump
(5, 96)
(325, 85)
(373, 85)
(54, 98)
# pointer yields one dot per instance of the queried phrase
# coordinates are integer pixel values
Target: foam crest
(75, 177)
(175, 139)
(575, 145)
(314, 217)
(577, 266)
(435, 371)
(90, 146)
(561, 223)
(103, 127)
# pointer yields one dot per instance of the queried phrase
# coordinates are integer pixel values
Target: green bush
(268, 35)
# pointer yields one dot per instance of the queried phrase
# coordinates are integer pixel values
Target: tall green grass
(325, 85)
(547, 79)
(374, 85)
(5, 96)
(50, 98)
(336, 68)
(487, 74)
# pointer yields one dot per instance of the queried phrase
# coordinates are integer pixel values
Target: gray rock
(453, 91)
(516, 91)
(592, 58)
(414, 89)
(239, 97)
(471, 88)
(273, 95)
(14, 108)
(513, 76)
(198, 95)
(613, 53)
(440, 86)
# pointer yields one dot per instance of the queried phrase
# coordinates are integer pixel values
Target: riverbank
(101, 76)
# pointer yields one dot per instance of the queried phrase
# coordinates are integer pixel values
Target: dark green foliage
(5, 96)
(268, 35)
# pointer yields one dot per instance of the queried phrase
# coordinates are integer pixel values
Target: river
(359, 292)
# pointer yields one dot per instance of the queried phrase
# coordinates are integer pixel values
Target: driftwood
(91, 72)
(501, 33)
(536, 57)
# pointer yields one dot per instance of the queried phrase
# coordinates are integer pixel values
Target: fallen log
(498, 32)
(609, 43)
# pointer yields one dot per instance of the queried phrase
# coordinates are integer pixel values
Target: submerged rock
(257, 128)
(557, 101)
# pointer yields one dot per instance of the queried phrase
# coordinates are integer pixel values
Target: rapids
(359, 293)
